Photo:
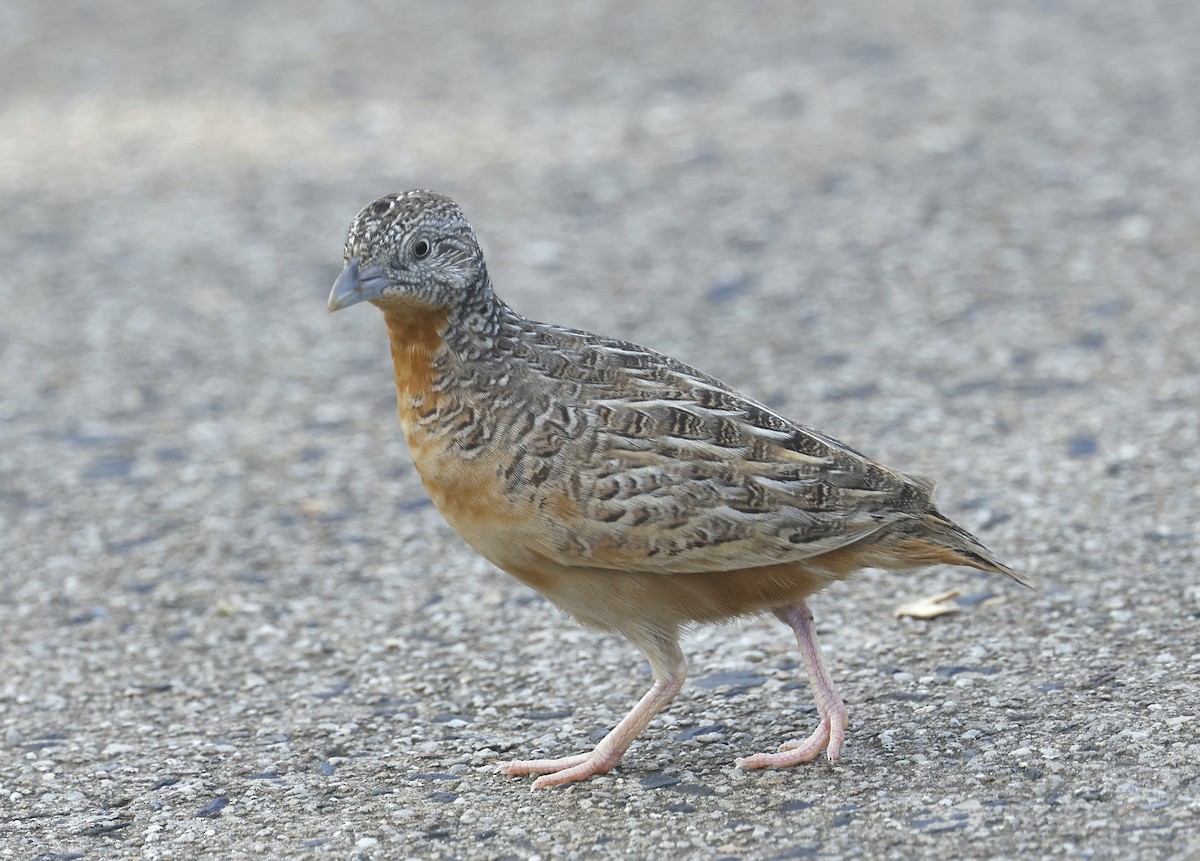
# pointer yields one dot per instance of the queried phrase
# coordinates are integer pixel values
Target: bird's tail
(940, 540)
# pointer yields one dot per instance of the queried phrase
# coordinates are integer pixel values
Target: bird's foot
(567, 769)
(829, 736)
(669, 670)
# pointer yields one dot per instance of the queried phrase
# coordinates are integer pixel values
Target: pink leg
(831, 732)
(670, 669)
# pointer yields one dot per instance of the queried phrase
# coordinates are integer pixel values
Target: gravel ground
(965, 237)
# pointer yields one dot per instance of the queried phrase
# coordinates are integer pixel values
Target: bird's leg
(831, 732)
(669, 668)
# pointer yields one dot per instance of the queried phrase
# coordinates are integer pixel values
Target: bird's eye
(421, 249)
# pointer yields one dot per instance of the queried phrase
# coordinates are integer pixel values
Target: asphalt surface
(964, 237)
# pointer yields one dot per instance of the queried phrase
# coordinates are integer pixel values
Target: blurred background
(962, 236)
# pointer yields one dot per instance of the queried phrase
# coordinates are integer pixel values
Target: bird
(639, 495)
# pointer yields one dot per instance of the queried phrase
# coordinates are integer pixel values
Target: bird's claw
(567, 769)
(829, 736)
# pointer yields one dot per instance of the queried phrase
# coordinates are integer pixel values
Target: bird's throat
(416, 336)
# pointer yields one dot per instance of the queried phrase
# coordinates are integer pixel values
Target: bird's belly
(469, 494)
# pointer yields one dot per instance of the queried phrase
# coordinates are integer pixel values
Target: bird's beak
(356, 285)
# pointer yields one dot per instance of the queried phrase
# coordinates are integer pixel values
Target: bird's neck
(474, 325)
(437, 352)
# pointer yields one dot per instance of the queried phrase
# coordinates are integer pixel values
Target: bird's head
(410, 248)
